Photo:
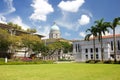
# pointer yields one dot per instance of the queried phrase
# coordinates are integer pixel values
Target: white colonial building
(83, 50)
(55, 32)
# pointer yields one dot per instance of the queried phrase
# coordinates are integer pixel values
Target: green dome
(55, 28)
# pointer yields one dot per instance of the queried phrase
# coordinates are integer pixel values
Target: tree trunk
(114, 39)
(102, 55)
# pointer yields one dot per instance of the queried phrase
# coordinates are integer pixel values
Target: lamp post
(6, 60)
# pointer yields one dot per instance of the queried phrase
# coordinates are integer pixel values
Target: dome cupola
(54, 31)
(55, 27)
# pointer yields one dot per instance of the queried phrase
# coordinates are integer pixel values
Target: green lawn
(69, 71)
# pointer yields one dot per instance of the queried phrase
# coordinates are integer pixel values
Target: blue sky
(73, 17)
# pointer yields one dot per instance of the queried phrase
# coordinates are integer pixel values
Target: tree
(57, 47)
(54, 47)
(101, 29)
(30, 42)
(93, 31)
(4, 42)
(15, 26)
(44, 50)
(16, 43)
(113, 25)
(31, 30)
(10, 24)
(66, 46)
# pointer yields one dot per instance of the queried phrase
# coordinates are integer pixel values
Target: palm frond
(87, 37)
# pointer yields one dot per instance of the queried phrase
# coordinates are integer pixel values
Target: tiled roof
(107, 36)
(5, 26)
(111, 36)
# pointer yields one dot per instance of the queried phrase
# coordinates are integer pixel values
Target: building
(83, 50)
(54, 32)
(17, 52)
(55, 36)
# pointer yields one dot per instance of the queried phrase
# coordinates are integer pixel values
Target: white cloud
(67, 34)
(82, 34)
(10, 7)
(71, 5)
(84, 20)
(71, 26)
(41, 9)
(18, 20)
(8, 10)
(2, 19)
(44, 31)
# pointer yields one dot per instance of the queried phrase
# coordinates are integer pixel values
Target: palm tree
(93, 32)
(101, 29)
(113, 25)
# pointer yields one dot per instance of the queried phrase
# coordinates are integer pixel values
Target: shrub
(64, 59)
(92, 61)
(25, 62)
(108, 62)
(2, 60)
(26, 59)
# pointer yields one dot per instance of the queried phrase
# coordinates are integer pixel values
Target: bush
(2, 60)
(117, 62)
(108, 62)
(25, 61)
(92, 61)
(64, 59)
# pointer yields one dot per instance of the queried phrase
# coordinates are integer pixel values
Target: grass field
(68, 71)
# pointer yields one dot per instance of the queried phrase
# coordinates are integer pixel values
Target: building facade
(83, 50)
(54, 32)
(21, 52)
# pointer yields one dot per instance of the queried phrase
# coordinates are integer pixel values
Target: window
(91, 50)
(79, 48)
(97, 56)
(96, 50)
(91, 56)
(76, 47)
(86, 50)
(111, 45)
(118, 43)
(86, 56)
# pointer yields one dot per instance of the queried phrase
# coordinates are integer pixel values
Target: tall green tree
(66, 46)
(4, 42)
(30, 42)
(31, 30)
(57, 47)
(113, 25)
(102, 27)
(93, 31)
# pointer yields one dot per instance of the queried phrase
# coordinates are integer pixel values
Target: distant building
(54, 32)
(83, 50)
(12, 31)
(54, 36)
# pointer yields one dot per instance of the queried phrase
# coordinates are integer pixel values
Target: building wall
(54, 34)
(83, 50)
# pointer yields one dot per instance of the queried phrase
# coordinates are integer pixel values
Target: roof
(38, 35)
(104, 37)
(108, 36)
(18, 32)
(55, 27)
(5, 26)
(111, 36)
